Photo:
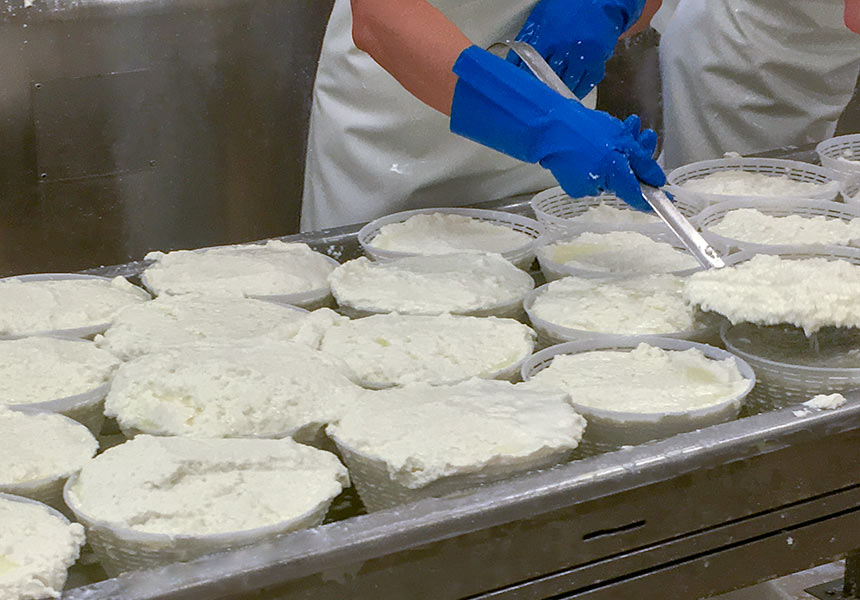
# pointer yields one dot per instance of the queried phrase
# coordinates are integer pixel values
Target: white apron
(753, 75)
(374, 149)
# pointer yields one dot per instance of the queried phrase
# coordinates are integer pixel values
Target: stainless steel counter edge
(365, 537)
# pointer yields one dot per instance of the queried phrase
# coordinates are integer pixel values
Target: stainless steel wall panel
(132, 126)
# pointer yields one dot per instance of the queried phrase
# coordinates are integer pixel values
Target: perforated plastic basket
(850, 189)
(78, 332)
(832, 153)
(795, 170)
(609, 428)
(378, 490)
(120, 549)
(707, 329)
(48, 490)
(805, 208)
(783, 383)
(557, 211)
(553, 270)
(521, 255)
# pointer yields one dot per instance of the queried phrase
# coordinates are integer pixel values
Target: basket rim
(369, 231)
(629, 343)
(838, 142)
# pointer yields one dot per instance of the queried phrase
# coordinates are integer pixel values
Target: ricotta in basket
(441, 233)
(171, 321)
(636, 306)
(36, 446)
(273, 268)
(736, 182)
(41, 369)
(420, 440)
(37, 546)
(37, 306)
(810, 293)
(605, 214)
(646, 379)
(394, 349)
(184, 486)
(617, 252)
(455, 283)
(750, 225)
(251, 389)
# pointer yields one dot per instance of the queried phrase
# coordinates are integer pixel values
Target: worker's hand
(588, 151)
(577, 37)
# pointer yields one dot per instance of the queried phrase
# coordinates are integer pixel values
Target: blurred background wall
(133, 125)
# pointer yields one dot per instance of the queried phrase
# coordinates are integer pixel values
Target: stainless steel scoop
(656, 197)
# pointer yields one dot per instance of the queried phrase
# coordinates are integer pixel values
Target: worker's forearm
(651, 7)
(414, 42)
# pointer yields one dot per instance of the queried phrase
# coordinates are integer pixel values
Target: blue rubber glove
(577, 37)
(588, 151)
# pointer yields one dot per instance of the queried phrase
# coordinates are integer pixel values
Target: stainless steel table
(683, 518)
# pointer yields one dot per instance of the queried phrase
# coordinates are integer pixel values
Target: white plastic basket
(850, 190)
(607, 428)
(555, 209)
(378, 490)
(783, 383)
(522, 256)
(310, 299)
(120, 549)
(707, 328)
(553, 270)
(48, 490)
(795, 170)
(832, 150)
(805, 208)
(77, 332)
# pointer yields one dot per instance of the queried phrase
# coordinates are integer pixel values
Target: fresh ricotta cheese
(258, 389)
(826, 401)
(171, 321)
(810, 293)
(37, 546)
(442, 233)
(424, 433)
(744, 183)
(750, 225)
(605, 214)
(38, 306)
(617, 252)
(273, 268)
(36, 446)
(646, 379)
(452, 283)
(636, 306)
(40, 369)
(185, 486)
(394, 349)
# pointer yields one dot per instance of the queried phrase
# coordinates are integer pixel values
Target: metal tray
(686, 517)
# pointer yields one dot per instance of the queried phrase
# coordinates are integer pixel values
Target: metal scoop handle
(656, 198)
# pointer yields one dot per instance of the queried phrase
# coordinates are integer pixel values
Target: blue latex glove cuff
(500, 106)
